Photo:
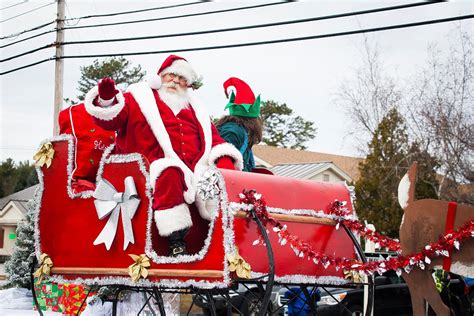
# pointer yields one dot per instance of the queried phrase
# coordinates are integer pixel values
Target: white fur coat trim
(143, 94)
(205, 121)
(103, 113)
(173, 219)
(226, 149)
(158, 166)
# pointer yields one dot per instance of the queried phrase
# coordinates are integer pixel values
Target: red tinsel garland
(302, 249)
(337, 208)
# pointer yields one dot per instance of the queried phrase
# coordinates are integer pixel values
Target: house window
(2, 235)
(326, 177)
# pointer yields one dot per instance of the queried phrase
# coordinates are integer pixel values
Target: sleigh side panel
(69, 226)
(294, 199)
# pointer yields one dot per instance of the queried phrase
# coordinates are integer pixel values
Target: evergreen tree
(14, 178)
(26, 176)
(7, 177)
(282, 128)
(118, 68)
(390, 155)
(18, 266)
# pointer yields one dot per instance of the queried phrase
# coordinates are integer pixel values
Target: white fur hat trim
(182, 68)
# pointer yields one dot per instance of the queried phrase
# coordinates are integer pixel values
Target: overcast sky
(305, 75)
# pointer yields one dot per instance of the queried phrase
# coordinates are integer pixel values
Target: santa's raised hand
(107, 89)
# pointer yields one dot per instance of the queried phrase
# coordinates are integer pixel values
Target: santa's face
(174, 92)
(174, 82)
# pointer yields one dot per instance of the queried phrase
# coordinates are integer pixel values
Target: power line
(97, 15)
(327, 17)
(14, 5)
(134, 11)
(28, 38)
(13, 17)
(162, 18)
(27, 66)
(176, 16)
(28, 52)
(240, 28)
(286, 40)
(26, 31)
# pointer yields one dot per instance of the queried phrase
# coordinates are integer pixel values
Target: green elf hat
(243, 103)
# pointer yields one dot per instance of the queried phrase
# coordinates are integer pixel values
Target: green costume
(237, 135)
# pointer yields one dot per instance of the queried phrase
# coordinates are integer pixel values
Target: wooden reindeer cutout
(424, 221)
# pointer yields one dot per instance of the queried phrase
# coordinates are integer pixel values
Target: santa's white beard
(177, 100)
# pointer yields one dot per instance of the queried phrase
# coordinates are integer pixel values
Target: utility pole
(59, 68)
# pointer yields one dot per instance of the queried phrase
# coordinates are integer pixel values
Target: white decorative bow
(108, 201)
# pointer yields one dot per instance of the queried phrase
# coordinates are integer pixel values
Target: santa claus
(162, 121)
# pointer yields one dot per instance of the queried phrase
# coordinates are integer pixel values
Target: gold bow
(238, 265)
(45, 267)
(138, 269)
(44, 155)
(353, 276)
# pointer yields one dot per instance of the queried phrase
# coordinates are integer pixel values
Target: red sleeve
(216, 138)
(64, 122)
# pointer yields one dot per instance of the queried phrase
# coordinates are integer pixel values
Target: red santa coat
(146, 125)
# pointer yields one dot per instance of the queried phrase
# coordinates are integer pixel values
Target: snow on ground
(16, 301)
(19, 302)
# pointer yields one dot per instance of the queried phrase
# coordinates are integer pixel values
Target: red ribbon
(452, 206)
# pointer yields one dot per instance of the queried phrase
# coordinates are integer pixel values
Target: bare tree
(369, 96)
(441, 111)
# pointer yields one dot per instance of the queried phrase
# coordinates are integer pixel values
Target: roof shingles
(278, 156)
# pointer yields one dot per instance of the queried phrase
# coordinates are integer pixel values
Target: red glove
(225, 162)
(81, 185)
(107, 89)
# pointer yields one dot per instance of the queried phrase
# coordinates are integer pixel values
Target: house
(12, 210)
(307, 165)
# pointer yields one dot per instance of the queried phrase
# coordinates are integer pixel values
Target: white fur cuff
(173, 219)
(226, 149)
(106, 103)
(158, 166)
(103, 113)
(207, 209)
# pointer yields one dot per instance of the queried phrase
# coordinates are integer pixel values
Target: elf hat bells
(243, 103)
(179, 66)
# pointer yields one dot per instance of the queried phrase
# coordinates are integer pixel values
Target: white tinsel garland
(320, 214)
(305, 279)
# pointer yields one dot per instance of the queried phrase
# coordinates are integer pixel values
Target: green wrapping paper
(48, 295)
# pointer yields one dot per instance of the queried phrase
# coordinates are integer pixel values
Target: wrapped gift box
(48, 294)
(72, 297)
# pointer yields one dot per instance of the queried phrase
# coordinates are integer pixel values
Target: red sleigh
(68, 224)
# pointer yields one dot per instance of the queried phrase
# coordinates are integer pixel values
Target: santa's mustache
(170, 85)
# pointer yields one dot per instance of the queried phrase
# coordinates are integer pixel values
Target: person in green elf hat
(243, 127)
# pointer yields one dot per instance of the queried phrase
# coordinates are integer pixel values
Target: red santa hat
(177, 65)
